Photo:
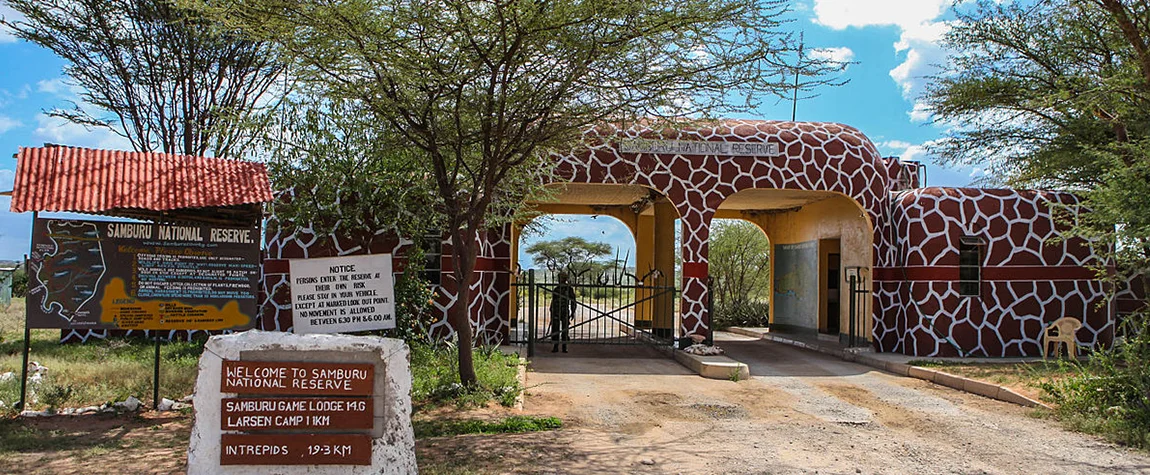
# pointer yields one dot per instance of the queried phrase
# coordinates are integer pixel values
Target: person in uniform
(562, 312)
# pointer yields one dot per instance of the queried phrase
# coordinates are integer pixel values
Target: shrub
(435, 376)
(1111, 394)
(745, 313)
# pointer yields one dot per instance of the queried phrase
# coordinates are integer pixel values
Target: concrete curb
(941, 378)
(713, 367)
(520, 373)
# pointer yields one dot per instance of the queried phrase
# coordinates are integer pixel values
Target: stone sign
(311, 404)
(699, 147)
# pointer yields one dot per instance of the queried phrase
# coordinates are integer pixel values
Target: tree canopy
(1056, 93)
(152, 72)
(740, 263)
(571, 253)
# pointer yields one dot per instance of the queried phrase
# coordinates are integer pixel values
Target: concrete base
(713, 367)
(393, 441)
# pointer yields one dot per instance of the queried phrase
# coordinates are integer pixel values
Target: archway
(821, 241)
(645, 291)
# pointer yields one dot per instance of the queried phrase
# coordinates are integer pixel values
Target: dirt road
(801, 412)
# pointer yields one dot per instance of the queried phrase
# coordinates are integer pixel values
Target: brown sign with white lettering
(295, 449)
(261, 414)
(297, 378)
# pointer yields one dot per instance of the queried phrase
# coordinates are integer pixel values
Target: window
(970, 266)
(432, 258)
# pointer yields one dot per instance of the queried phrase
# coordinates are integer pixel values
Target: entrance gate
(611, 308)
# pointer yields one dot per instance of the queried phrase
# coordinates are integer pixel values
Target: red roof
(57, 178)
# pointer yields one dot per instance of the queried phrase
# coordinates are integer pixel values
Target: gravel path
(801, 412)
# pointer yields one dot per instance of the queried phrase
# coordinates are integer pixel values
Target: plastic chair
(1062, 332)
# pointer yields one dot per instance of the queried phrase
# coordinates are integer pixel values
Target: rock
(35, 414)
(176, 406)
(647, 461)
(7, 376)
(88, 409)
(165, 405)
(130, 404)
(185, 399)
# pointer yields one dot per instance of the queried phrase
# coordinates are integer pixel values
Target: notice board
(142, 276)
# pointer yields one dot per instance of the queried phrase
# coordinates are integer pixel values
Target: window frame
(970, 285)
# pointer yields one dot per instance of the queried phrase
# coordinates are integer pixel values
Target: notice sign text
(342, 294)
(298, 378)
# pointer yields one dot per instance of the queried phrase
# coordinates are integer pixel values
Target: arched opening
(636, 296)
(739, 266)
(822, 248)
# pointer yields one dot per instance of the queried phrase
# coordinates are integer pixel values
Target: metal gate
(611, 308)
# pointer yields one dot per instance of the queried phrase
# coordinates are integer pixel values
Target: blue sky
(895, 43)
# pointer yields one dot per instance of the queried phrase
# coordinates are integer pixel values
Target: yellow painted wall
(838, 217)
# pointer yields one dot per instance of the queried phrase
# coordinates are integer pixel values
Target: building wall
(1029, 276)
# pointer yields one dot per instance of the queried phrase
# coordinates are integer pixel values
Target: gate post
(531, 313)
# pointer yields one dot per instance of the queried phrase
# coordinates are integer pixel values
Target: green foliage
(19, 283)
(1111, 394)
(509, 425)
(152, 72)
(54, 395)
(435, 377)
(740, 264)
(572, 254)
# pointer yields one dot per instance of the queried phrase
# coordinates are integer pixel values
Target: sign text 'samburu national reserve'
(342, 294)
(142, 276)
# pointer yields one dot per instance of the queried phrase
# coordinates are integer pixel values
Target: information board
(142, 276)
(295, 449)
(270, 377)
(342, 294)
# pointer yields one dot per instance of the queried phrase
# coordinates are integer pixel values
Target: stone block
(392, 438)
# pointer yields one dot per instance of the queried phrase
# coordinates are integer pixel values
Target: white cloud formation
(899, 144)
(62, 132)
(842, 14)
(8, 123)
(921, 30)
(840, 54)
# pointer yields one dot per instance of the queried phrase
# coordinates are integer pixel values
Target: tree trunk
(459, 315)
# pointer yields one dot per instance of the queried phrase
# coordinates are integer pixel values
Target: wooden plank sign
(295, 449)
(261, 414)
(297, 378)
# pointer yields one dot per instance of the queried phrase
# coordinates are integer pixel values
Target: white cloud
(920, 27)
(62, 132)
(7, 13)
(894, 144)
(8, 123)
(840, 54)
(60, 87)
(842, 14)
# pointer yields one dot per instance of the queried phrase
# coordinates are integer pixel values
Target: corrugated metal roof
(58, 178)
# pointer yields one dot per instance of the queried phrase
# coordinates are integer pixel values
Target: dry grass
(96, 372)
(1023, 378)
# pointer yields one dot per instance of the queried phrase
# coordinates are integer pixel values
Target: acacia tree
(571, 253)
(485, 90)
(153, 73)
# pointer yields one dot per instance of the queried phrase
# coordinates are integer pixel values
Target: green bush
(742, 314)
(435, 376)
(1110, 395)
(512, 424)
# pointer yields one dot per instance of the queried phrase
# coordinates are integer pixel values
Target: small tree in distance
(570, 253)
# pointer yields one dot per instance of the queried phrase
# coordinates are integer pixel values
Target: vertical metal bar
(156, 376)
(853, 310)
(531, 313)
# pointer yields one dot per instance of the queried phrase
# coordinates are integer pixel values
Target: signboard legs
(24, 368)
(156, 376)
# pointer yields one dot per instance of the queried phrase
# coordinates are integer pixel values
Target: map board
(796, 275)
(142, 276)
(342, 294)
